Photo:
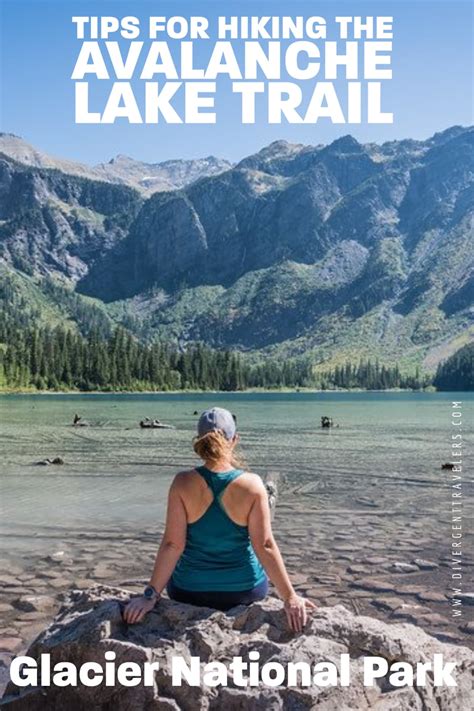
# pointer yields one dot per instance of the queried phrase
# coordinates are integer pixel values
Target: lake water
(388, 449)
(364, 516)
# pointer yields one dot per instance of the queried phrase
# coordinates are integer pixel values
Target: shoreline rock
(90, 623)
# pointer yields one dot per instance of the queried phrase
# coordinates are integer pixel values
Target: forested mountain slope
(337, 251)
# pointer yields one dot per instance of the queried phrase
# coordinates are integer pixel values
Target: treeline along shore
(58, 359)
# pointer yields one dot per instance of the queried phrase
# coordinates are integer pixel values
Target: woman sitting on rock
(218, 546)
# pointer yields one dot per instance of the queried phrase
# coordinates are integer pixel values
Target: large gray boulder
(90, 623)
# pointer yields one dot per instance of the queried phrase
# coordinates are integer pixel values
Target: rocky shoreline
(386, 557)
(90, 625)
(408, 582)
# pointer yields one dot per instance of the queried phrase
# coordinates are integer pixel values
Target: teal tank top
(218, 554)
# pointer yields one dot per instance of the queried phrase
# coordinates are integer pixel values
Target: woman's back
(217, 517)
(218, 554)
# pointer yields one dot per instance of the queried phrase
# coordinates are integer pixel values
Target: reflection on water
(388, 449)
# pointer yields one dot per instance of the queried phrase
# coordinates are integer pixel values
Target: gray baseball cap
(217, 419)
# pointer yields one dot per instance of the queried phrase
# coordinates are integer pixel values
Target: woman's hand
(296, 609)
(137, 608)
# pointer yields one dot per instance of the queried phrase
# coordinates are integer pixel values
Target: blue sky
(431, 87)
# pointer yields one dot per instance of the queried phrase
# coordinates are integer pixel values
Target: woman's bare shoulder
(185, 479)
(251, 482)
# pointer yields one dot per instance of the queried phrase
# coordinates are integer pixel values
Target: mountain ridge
(343, 250)
(165, 175)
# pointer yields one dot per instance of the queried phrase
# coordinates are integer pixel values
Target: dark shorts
(219, 600)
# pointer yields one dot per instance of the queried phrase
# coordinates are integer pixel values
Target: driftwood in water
(79, 422)
(148, 424)
(46, 462)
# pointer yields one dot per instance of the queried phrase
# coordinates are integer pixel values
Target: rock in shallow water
(373, 585)
(425, 564)
(34, 603)
(400, 567)
(90, 623)
(10, 644)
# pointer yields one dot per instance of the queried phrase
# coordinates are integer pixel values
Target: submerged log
(46, 462)
(79, 421)
(148, 424)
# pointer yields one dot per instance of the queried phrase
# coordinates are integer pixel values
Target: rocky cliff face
(90, 624)
(294, 248)
(257, 216)
(55, 223)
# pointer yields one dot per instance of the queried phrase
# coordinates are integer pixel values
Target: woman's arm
(174, 538)
(169, 552)
(266, 548)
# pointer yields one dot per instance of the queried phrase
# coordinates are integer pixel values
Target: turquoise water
(388, 448)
